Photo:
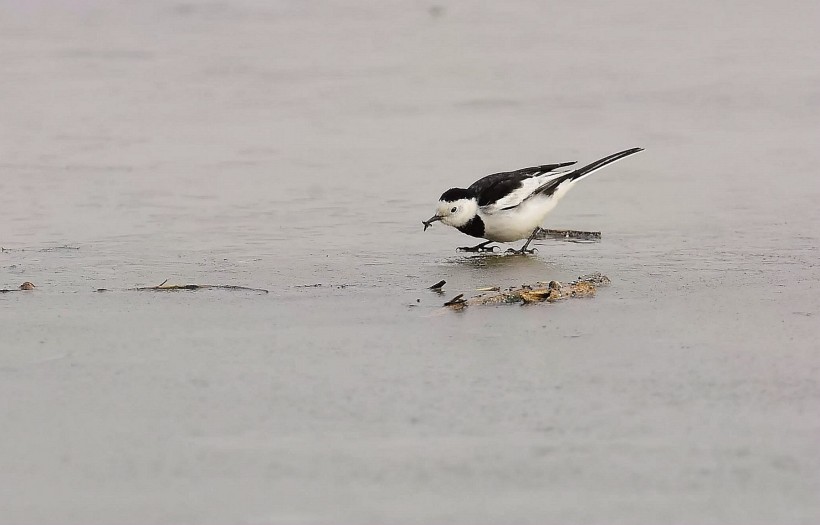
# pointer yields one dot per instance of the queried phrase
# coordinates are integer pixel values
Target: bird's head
(456, 207)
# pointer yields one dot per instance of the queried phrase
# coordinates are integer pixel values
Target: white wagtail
(510, 206)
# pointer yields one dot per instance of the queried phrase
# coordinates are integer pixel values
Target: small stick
(544, 233)
(438, 285)
(175, 287)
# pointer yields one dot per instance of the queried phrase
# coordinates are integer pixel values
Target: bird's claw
(522, 251)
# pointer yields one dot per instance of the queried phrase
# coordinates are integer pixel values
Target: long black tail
(549, 187)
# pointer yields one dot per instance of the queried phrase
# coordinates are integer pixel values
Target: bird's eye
(453, 209)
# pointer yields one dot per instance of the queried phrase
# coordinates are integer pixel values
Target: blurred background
(289, 144)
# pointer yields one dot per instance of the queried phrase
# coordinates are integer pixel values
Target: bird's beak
(429, 222)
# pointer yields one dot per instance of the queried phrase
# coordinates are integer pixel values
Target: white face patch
(457, 213)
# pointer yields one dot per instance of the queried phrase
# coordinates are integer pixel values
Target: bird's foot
(479, 248)
(523, 251)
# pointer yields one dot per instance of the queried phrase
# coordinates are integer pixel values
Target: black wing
(493, 187)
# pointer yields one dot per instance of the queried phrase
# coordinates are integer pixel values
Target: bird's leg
(524, 249)
(477, 248)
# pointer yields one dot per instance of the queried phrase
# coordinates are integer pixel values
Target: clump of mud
(551, 291)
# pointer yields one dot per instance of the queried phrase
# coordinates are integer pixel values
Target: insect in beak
(429, 222)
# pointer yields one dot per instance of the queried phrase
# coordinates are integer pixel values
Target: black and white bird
(510, 206)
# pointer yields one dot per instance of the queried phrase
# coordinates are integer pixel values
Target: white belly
(519, 222)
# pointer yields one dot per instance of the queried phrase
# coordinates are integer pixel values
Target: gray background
(282, 144)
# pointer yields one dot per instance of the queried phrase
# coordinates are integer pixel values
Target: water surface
(296, 148)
